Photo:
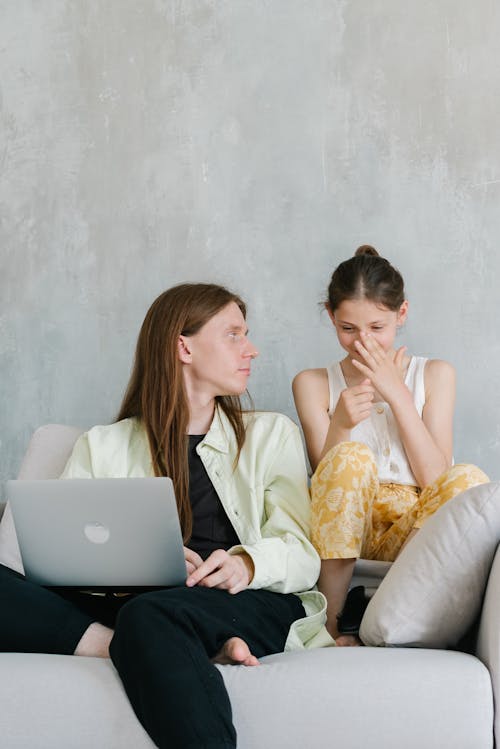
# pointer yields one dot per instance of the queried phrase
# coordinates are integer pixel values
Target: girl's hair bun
(366, 249)
(366, 276)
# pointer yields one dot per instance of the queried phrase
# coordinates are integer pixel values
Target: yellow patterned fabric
(353, 515)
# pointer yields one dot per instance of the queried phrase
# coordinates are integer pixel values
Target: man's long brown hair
(156, 394)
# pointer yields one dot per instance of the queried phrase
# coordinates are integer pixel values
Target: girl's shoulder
(438, 374)
(311, 377)
(311, 387)
(310, 380)
(439, 368)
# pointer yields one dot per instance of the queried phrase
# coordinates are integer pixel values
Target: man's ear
(184, 350)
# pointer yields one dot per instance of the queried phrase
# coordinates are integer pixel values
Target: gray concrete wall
(255, 143)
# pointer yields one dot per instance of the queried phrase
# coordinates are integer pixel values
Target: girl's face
(355, 316)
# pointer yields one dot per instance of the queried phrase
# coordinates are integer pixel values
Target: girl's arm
(311, 394)
(428, 441)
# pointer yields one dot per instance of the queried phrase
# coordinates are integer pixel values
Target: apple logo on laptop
(96, 533)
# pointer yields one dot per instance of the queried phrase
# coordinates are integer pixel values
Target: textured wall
(252, 142)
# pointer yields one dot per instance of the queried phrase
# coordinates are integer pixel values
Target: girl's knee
(465, 476)
(354, 457)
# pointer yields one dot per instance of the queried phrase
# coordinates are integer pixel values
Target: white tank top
(379, 431)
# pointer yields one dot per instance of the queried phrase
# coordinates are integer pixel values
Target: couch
(344, 698)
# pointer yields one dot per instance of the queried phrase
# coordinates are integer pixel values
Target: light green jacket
(265, 496)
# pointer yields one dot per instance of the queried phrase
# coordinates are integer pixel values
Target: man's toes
(235, 651)
(348, 641)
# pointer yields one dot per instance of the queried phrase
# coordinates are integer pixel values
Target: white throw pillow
(433, 591)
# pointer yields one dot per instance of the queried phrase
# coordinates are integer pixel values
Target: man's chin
(236, 391)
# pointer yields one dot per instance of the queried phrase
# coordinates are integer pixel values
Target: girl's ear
(184, 350)
(403, 312)
(331, 314)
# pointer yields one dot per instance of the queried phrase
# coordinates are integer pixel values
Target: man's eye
(380, 327)
(347, 330)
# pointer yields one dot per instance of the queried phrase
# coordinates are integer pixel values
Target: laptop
(102, 534)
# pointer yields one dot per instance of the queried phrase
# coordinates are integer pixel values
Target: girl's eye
(347, 330)
(380, 327)
(235, 336)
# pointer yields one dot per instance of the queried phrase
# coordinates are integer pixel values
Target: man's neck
(201, 415)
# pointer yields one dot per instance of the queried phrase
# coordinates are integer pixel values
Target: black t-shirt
(212, 528)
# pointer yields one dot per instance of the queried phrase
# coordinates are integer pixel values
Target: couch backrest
(45, 458)
(47, 454)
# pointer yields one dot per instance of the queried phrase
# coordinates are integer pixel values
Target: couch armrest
(488, 642)
(49, 449)
(10, 556)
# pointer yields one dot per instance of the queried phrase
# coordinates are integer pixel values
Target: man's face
(220, 355)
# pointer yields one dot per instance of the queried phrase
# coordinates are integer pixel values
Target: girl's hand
(386, 372)
(354, 405)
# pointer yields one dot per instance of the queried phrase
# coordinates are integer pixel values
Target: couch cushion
(433, 591)
(337, 697)
(369, 573)
(62, 701)
(362, 698)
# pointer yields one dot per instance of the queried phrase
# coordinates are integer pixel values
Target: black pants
(162, 647)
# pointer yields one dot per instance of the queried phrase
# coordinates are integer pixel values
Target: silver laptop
(119, 534)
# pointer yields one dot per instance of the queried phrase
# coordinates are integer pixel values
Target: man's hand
(231, 572)
(193, 560)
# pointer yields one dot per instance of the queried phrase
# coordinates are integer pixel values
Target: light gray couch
(343, 698)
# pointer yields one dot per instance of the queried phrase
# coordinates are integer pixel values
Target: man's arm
(284, 559)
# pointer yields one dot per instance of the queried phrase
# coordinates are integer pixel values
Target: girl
(378, 430)
(241, 487)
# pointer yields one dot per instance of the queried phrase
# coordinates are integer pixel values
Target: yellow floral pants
(353, 515)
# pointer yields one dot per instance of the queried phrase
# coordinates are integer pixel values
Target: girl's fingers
(364, 387)
(374, 348)
(363, 351)
(362, 367)
(362, 395)
(371, 343)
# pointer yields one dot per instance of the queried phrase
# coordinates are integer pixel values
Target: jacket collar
(220, 435)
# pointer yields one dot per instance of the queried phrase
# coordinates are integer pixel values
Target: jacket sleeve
(284, 559)
(79, 465)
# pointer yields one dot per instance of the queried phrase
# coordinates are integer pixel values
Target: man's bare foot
(348, 641)
(95, 641)
(235, 652)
